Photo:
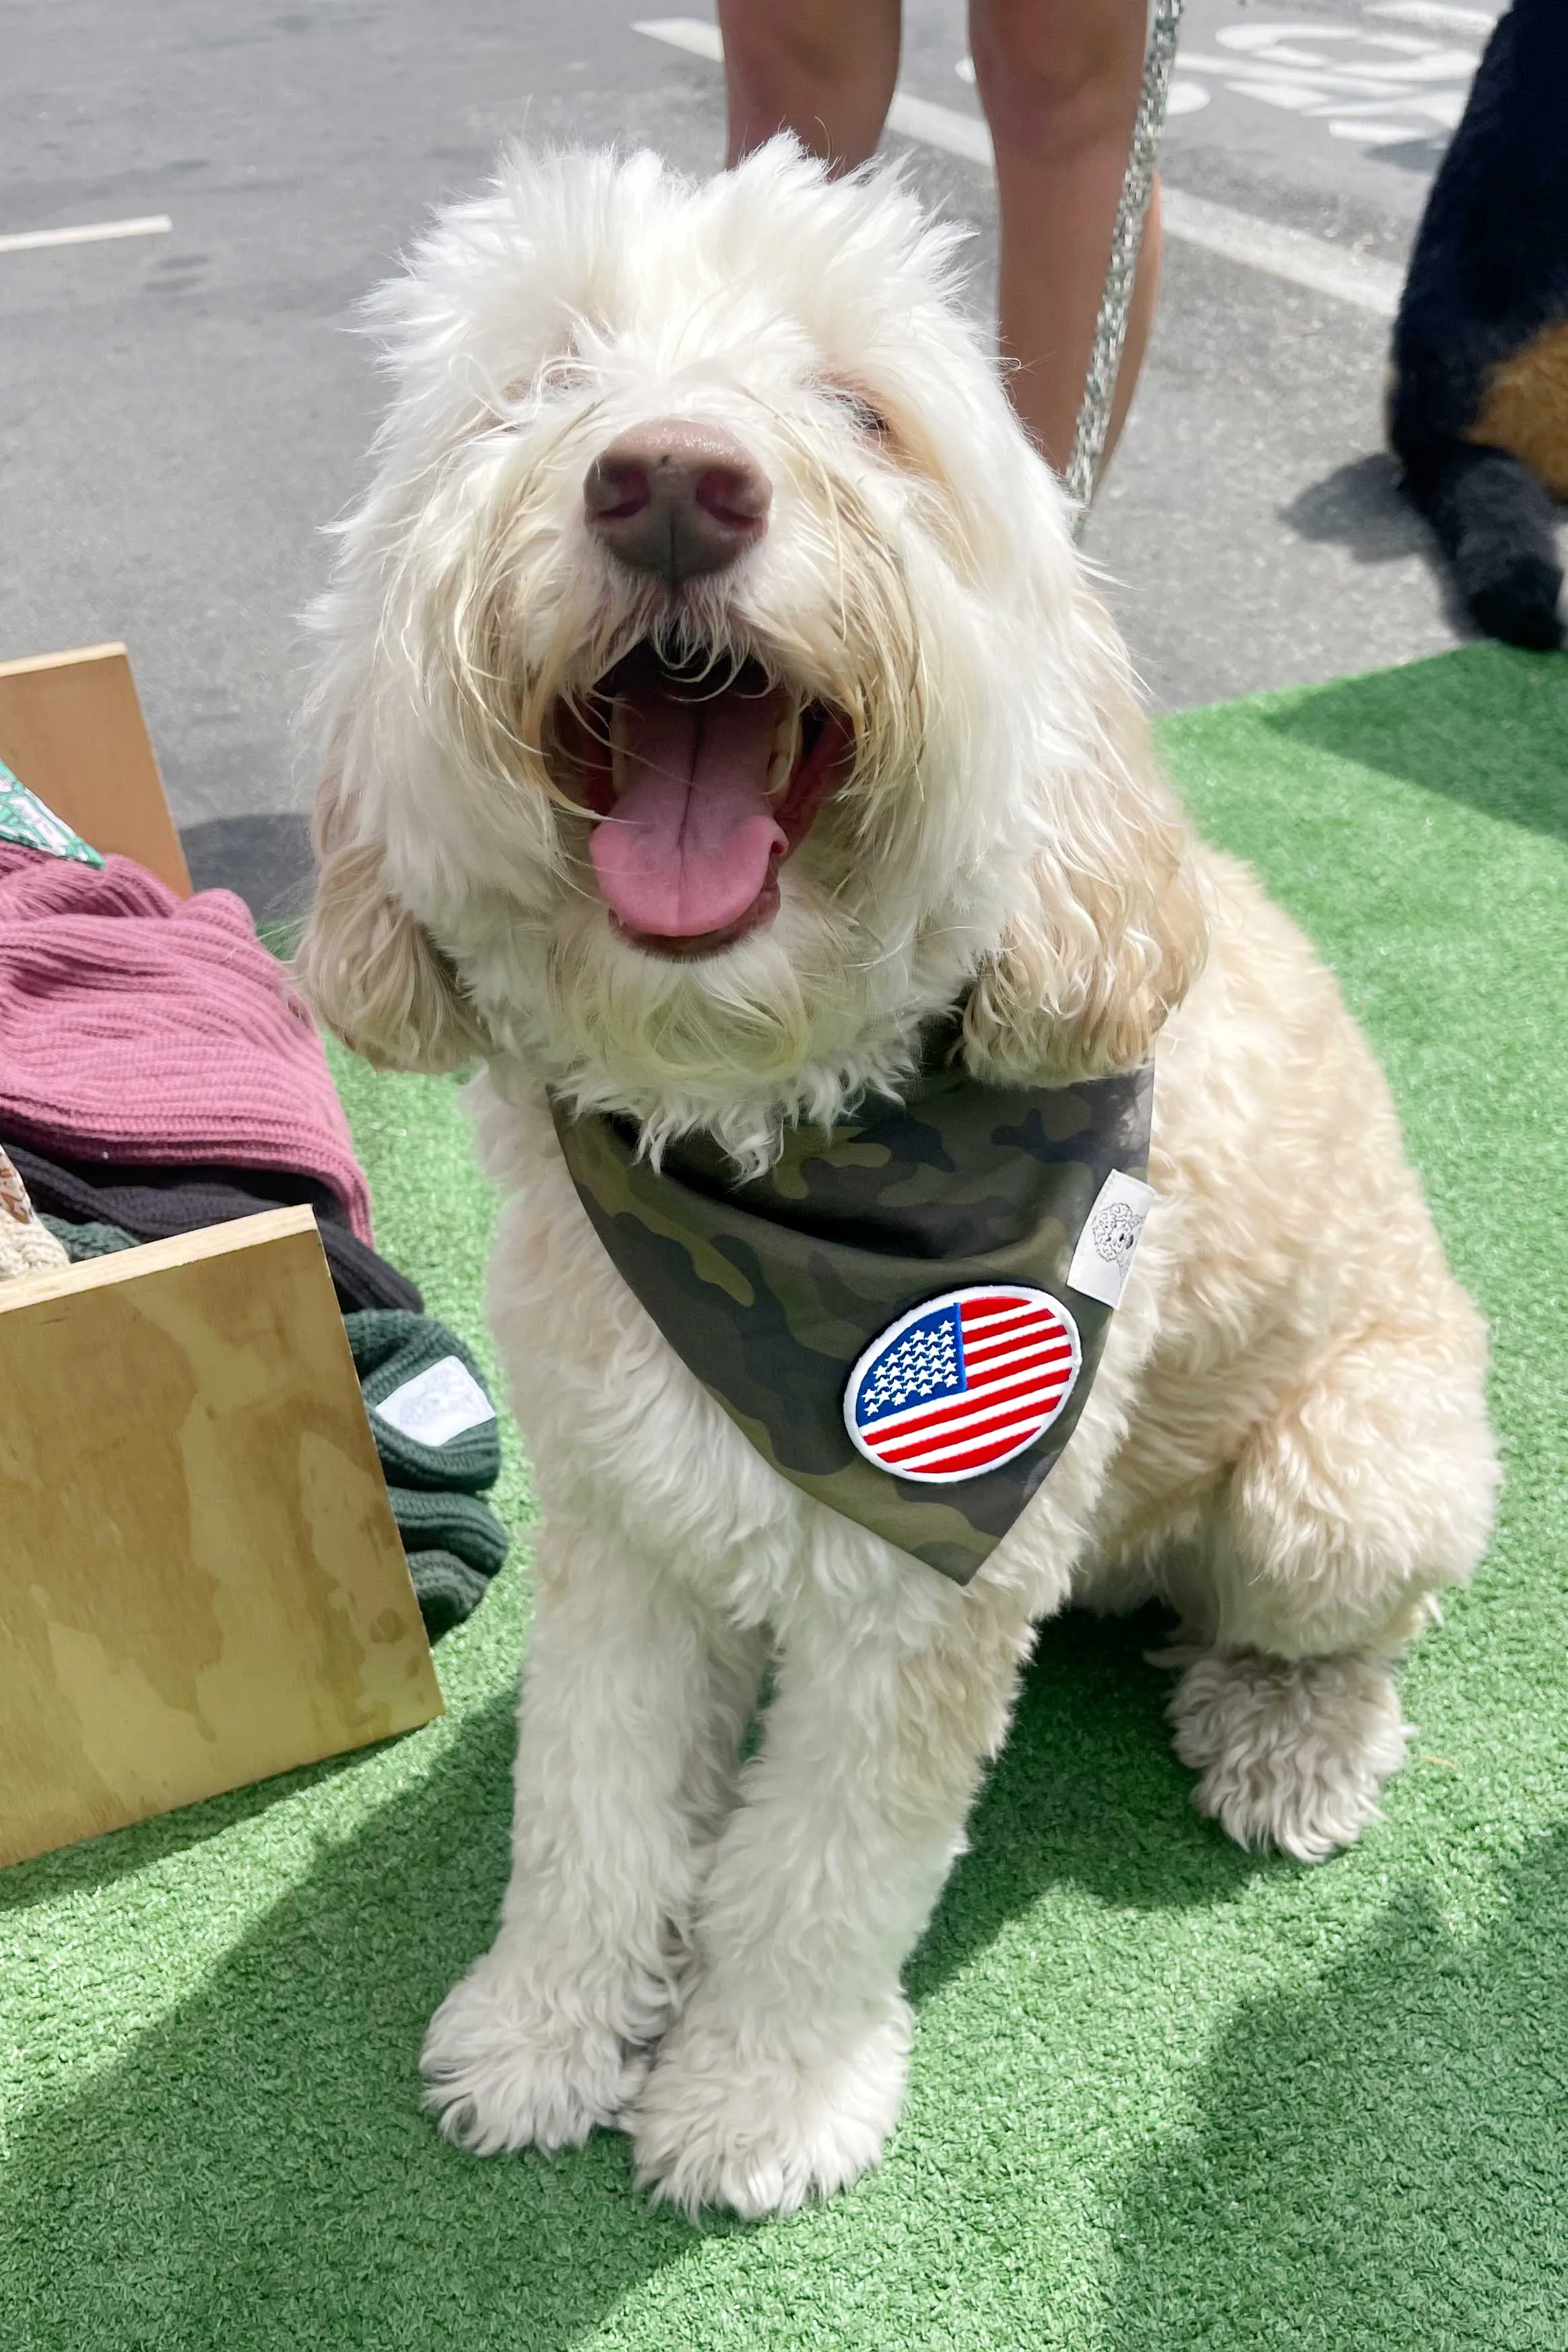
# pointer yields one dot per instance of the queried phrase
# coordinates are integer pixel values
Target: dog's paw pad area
(761, 2132)
(1161, 2091)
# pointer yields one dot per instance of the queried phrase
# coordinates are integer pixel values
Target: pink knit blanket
(138, 1027)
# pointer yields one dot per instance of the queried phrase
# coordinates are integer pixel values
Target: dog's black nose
(676, 498)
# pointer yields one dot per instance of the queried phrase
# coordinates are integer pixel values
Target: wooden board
(71, 729)
(201, 1582)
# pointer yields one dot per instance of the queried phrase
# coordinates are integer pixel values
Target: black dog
(1479, 404)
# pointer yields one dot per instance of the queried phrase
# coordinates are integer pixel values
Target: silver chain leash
(1110, 327)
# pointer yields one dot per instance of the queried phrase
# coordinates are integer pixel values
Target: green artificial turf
(1164, 2096)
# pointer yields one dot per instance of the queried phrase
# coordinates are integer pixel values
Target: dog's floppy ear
(1112, 931)
(372, 973)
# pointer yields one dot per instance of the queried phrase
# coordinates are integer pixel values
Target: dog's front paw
(735, 2114)
(1292, 1755)
(506, 2066)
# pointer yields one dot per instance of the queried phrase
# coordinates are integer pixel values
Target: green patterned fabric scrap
(26, 820)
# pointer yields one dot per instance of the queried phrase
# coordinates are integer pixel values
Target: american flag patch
(960, 1385)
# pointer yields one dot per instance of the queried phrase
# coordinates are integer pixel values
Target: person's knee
(782, 50)
(1055, 74)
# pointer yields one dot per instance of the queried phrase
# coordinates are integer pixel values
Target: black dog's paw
(1519, 603)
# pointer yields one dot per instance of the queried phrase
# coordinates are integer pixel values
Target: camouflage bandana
(836, 1288)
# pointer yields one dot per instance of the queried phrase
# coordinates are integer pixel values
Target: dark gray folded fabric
(447, 1590)
(153, 1203)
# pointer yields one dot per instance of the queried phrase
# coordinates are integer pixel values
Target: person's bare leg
(1060, 82)
(821, 68)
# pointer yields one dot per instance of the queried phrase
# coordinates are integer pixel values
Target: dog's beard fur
(992, 823)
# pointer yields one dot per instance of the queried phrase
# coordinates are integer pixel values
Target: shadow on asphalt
(265, 859)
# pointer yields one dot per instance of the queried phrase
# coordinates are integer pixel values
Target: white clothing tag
(1104, 1258)
(436, 1406)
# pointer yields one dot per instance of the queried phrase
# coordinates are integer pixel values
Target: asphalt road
(180, 414)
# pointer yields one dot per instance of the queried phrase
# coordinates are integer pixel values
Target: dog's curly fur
(1288, 1439)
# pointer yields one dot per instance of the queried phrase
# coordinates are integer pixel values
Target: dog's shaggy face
(710, 694)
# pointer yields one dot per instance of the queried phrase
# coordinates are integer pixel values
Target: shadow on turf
(1088, 1792)
(98, 1862)
(1381, 2161)
(1484, 725)
(257, 2171)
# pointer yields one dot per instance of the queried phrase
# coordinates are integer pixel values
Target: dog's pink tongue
(688, 844)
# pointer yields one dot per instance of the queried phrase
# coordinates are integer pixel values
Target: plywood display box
(71, 729)
(200, 1581)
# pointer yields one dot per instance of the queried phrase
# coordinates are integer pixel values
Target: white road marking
(1289, 253)
(1367, 131)
(90, 233)
(1441, 19)
(1358, 279)
(688, 33)
(1427, 85)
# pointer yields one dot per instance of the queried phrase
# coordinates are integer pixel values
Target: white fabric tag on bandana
(436, 1406)
(1104, 1258)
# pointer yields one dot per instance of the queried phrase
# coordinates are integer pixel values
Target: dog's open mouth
(701, 783)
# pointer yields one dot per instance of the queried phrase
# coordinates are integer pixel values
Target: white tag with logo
(436, 1406)
(1104, 1258)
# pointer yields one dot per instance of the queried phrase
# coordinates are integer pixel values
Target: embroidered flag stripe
(936, 1443)
(1020, 1383)
(995, 1359)
(951, 1459)
(966, 1384)
(952, 1369)
(970, 1451)
(1003, 1335)
(992, 1324)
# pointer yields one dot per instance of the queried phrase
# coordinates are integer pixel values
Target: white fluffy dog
(645, 431)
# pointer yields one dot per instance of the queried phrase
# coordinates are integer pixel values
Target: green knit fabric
(391, 1348)
(83, 1242)
(454, 1541)
(1164, 2097)
(450, 1522)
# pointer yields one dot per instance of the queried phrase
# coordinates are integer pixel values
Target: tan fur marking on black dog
(1526, 408)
